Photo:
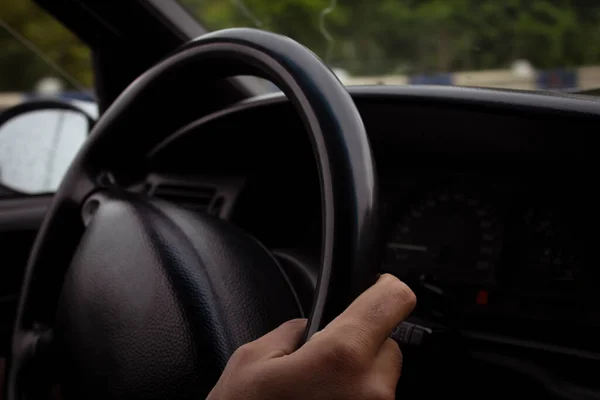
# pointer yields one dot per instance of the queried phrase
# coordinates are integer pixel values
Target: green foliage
(368, 37)
(373, 37)
(20, 67)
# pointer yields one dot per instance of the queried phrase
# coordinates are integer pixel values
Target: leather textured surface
(157, 299)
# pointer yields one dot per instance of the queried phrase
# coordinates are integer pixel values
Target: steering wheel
(130, 297)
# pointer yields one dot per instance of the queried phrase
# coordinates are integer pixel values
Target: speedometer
(553, 255)
(450, 237)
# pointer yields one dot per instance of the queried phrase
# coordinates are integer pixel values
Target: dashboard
(492, 254)
(485, 197)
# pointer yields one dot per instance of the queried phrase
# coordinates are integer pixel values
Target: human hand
(351, 358)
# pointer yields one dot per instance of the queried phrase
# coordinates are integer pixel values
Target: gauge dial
(548, 277)
(552, 251)
(451, 237)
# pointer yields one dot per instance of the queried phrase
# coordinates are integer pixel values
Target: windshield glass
(517, 44)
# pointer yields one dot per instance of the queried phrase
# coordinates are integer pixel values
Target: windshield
(516, 44)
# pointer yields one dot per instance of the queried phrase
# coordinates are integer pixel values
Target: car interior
(201, 213)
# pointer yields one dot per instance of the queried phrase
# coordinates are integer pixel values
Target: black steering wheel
(130, 297)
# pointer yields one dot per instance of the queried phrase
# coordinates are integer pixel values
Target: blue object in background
(556, 79)
(71, 95)
(84, 96)
(435, 79)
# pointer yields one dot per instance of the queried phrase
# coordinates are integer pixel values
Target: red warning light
(482, 297)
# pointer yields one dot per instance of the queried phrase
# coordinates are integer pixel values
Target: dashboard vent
(212, 195)
(195, 198)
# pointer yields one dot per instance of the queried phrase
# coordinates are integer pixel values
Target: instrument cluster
(473, 249)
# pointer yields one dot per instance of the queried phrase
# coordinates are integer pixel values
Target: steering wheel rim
(339, 141)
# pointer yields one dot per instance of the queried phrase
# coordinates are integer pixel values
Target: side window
(40, 60)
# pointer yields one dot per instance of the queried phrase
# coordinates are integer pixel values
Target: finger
(388, 362)
(375, 313)
(281, 341)
(385, 371)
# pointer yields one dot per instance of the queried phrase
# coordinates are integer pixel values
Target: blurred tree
(20, 67)
(366, 37)
(397, 36)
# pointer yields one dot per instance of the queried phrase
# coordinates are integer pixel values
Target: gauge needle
(410, 247)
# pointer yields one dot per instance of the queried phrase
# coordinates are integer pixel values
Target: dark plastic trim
(531, 345)
(500, 98)
(24, 213)
(178, 18)
(480, 98)
(227, 190)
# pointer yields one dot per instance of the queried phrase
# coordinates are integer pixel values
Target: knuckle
(345, 354)
(401, 293)
(243, 354)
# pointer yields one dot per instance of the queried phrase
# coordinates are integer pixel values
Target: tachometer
(548, 276)
(553, 251)
(451, 237)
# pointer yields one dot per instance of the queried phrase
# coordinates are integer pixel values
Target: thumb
(281, 341)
